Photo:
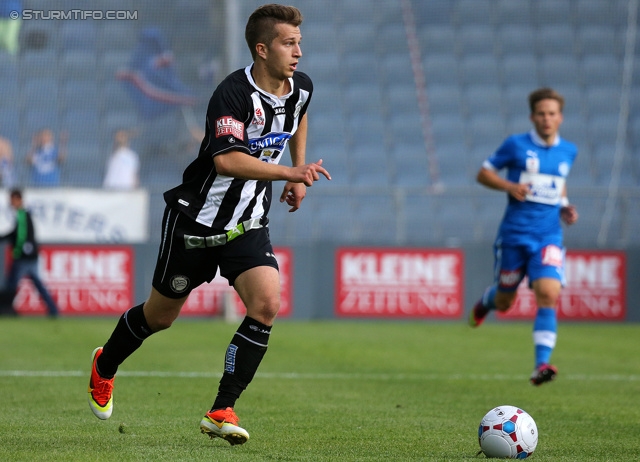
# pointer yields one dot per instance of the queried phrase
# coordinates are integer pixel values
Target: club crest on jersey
(532, 162)
(179, 283)
(227, 125)
(258, 117)
(563, 168)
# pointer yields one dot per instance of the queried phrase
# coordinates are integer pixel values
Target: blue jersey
(530, 161)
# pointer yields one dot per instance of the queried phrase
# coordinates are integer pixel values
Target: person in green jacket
(24, 263)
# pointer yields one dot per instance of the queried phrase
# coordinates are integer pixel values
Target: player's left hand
(569, 214)
(292, 194)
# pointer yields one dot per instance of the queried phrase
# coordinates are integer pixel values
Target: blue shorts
(535, 259)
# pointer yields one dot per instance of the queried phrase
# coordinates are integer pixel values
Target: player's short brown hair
(544, 93)
(261, 24)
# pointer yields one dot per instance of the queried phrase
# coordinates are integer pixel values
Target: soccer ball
(507, 432)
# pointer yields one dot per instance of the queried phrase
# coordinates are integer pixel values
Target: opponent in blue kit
(217, 218)
(529, 241)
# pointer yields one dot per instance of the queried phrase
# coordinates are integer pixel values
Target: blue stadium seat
(317, 37)
(485, 130)
(403, 95)
(114, 97)
(332, 220)
(117, 35)
(452, 164)
(433, 13)
(398, 68)
(602, 129)
(441, 68)
(111, 62)
(80, 94)
(456, 217)
(448, 127)
(369, 128)
(520, 69)
(34, 64)
(476, 39)
(437, 38)
(558, 69)
(602, 99)
(574, 129)
(517, 39)
(358, 37)
(582, 172)
(479, 69)
(552, 11)
(443, 99)
(370, 221)
(601, 69)
(323, 125)
(334, 157)
(510, 12)
(40, 94)
(360, 68)
(471, 12)
(406, 128)
(365, 97)
(559, 38)
(10, 124)
(327, 98)
(589, 12)
(369, 166)
(484, 99)
(322, 67)
(83, 125)
(9, 92)
(420, 224)
(392, 38)
(411, 165)
(600, 39)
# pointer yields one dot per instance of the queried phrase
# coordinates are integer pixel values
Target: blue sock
(488, 298)
(545, 330)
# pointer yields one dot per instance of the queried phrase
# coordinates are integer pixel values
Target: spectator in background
(10, 22)
(123, 166)
(24, 253)
(45, 158)
(6, 163)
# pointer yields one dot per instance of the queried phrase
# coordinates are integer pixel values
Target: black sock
(244, 354)
(130, 332)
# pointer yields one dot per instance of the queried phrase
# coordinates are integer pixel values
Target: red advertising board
(209, 299)
(87, 280)
(399, 283)
(595, 289)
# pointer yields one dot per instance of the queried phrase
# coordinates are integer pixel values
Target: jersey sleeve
(502, 157)
(306, 85)
(226, 117)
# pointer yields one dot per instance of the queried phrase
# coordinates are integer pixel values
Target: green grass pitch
(326, 391)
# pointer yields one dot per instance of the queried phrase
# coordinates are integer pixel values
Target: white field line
(327, 376)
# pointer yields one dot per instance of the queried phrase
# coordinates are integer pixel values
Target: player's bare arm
(492, 180)
(238, 164)
(293, 193)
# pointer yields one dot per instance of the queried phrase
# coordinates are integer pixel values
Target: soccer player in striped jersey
(217, 218)
(529, 241)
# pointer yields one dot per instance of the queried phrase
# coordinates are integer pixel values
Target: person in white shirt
(123, 166)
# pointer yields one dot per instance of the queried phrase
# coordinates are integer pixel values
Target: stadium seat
(552, 11)
(398, 69)
(40, 93)
(452, 163)
(476, 39)
(78, 64)
(419, 219)
(516, 39)
(602, 99)
(411, 165)
(316, 39)
(589, 12)
(433, 13)
(448, 127)
(602, 129)
(456, 220)
(369, 128)
(370, 220)
(332, 220)
(369, 166)
(479, 69)
(555, 38)
(483, 129)
(83, 125)
(602, 69)
(80, 94)
(471, 12)
(484, 99)
(327, 98)
(437, 39)
(441, 68)
(334, 156)
(558, 69)
(514, 13)
(117, 36)
(403, 95)
(392, 39)
(365, 97)
(35, 64)
(322, 67)
(443, 99)
(600, 39)
(406, 128)
(358, 37)
(360, 68)
(520, 68)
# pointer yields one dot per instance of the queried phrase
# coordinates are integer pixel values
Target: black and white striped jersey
(240, 117)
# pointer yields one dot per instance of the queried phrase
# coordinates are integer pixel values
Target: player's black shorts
(182, 267)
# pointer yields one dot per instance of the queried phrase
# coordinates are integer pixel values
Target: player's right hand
(518, 191)
(309, 173)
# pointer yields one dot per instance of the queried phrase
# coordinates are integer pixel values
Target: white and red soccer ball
(507, 432)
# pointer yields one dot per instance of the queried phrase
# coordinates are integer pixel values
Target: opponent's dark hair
(544, 93)
(16, 192)
(261, 24)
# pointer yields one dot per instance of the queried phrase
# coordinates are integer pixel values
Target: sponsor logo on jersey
(279, 110)
(563, 168)
(227, 125)
(276, 141)
(510, 278)
(179, 283)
